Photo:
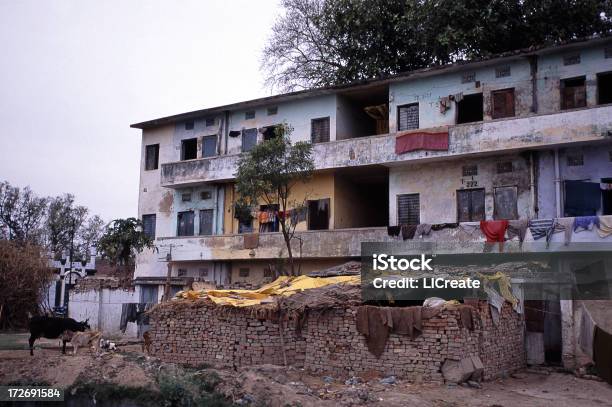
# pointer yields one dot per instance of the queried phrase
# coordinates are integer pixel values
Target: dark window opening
(408, 117)
(573, 93)
(505, 203)
(209, 146)
(571, 59)
(189, 149)
(148, 294)
(270, 132)
(503, 103)
(189, 125)
(249, 139)
(245, 226)
(470, 205)
(272, 111)
(469, 109)
(504, 167)
(582, 198)
(470, 170)
(318, 214)
(608, 52)
(206, 222)
(502, 71)
(205, 195)
(268, 218)
(185, 223)
(604, 88)
(203, 272)
(408, 209)
(249, 115)
(319, 130)
(575, 160)
(186, 197)
(148, 225)
(181, 272)
(244, 272)
(468, 77)
(210, 122)
(151, 157)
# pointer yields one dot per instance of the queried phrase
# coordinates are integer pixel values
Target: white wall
(103, 308)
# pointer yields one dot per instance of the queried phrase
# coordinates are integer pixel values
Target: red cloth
(421, 141)
(494, 230)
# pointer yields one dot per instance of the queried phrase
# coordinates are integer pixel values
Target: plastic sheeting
(283, 286)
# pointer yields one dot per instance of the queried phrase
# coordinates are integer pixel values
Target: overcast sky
(75, 74)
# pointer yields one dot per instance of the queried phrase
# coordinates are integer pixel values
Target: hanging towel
(582, 198)
(494, 230)
(374, 323)
(406, 321)
(421, 140)
(564, 225)
(408, 231)
(605, 226)
(540, 228)
(393, 230)
(517, 228)
(424, 229)
(585, 223)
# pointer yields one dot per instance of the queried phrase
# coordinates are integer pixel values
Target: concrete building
(493, 139)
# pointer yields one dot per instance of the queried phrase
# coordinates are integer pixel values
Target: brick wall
(330, 344)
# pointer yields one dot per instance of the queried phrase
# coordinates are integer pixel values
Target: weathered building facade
(501, 138)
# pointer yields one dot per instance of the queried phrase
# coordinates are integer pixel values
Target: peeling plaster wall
(551, 70)
(103, 308)
(428, 91)
(297, 114)
(257, 268)
(437, 185)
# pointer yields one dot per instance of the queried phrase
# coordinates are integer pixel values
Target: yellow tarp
(283, 286)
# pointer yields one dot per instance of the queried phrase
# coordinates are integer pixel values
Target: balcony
(542, 131)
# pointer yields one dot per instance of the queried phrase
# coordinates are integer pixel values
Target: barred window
(408, 117)
(319, 130)
(148, 225)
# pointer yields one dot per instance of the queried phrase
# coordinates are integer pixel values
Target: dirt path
(278, 386)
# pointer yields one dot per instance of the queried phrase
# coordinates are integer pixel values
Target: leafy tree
(122, 240)
(326, 42)
(268, 174)
(21, 214)
(64, 221)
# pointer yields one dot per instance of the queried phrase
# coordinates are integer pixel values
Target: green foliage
(326, 42)
(122, 240)
(21, 214)
(269, 172)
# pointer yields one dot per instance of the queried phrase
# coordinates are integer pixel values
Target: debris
(352, 381)
(328, 379)
(457, 372)
(388, 380)
(474, 384)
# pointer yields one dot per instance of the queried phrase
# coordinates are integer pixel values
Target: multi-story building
(499, 138)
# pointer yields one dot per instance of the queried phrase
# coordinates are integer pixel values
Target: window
(504, 167)
(502, 71)
(206, 222)
(470, 205)
(203, 272)
(209, 146)
(575, 160)
(503, 103)
(573, 93)
(505, 203)
(604, 88)
(185, 223)
(148, 294)
(268, 219)
(318, 214)
(189, 125)
(244, 272)
(268, 272)
(186, 197)
(469, 109)
(151, 157)
(608, 52)
(249, 139)
(249, 115)
(245, 226)
(571, 59)
(408, 117)
(272, 111)
(181, 272)
(210, 122)
(269, 132)
(189, 149)
(470, 170)
(204, 195)
(148, 225)
(319, 130)
(408, 209)
(468, 77)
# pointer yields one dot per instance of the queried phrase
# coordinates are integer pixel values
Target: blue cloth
(582, 198)
(585, 222)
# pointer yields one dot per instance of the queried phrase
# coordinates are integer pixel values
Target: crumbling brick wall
(330, 344)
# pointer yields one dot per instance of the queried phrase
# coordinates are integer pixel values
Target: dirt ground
(270, 385)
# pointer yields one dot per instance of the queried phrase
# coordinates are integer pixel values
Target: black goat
(52, 328)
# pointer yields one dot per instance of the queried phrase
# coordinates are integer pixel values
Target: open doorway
(361, 197)
(363, 112)
(470, 109)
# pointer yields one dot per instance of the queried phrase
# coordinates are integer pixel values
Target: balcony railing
(575, 126)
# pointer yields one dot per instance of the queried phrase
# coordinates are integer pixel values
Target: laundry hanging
(495, 231)
(582, 198)
(585, 223)
(421, 141)
(605, 226)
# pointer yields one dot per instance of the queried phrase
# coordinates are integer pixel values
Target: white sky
(75, 74)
